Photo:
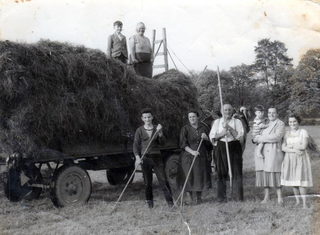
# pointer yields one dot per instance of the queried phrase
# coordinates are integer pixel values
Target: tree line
(271, 80)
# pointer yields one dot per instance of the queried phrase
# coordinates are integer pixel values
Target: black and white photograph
(159, 117)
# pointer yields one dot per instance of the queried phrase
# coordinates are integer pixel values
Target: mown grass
(133, 217)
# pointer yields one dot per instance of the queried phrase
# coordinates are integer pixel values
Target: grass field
(133, 216)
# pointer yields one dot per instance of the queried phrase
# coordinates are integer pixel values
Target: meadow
(133, 217)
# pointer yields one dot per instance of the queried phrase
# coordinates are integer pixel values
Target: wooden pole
(201, 74)
(153, 39)
(185, 183)
(146, 150)
(165, 53)
(227, 147)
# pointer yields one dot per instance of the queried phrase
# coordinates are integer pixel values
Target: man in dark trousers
(152, 159)
(230, 130)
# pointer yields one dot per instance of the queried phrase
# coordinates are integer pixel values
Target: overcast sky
(213, 32)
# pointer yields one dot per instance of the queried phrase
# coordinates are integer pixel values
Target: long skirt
(198, 176)
(144, 66)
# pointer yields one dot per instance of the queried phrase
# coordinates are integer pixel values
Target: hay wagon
(65, 174)
(67, 109)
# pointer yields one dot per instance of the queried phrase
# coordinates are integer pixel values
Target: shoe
(188, 200)
(150, 203)
(199, 201)
(281, 203)
(222, 200)
(170, 204)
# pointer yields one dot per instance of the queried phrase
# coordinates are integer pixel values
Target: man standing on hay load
(117, 44)
(230, 130)
(152, 159)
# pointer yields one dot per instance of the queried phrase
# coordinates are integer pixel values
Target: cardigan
(142, 139)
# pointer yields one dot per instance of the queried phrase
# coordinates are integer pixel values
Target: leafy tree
(282, 91)
(209, 91)
(273, 67)
(242, 84)
(305, 95)
(271, 59)
(265, 82)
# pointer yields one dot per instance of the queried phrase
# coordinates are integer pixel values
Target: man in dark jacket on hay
(152, 159)
(230, 130)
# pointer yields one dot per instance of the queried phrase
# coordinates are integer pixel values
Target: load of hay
(57, 94)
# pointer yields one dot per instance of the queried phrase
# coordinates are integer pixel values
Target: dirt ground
(133, 217)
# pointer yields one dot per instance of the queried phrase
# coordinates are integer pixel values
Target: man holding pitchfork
(147, 139)
(225, 135)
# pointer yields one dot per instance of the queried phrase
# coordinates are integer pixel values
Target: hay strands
(60, 95)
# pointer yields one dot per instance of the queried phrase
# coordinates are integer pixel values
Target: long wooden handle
(135, 169)
(227, 147)
(185, 183)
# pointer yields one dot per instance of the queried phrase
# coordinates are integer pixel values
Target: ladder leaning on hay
(89, 124)
(163, 42)
(165, 52)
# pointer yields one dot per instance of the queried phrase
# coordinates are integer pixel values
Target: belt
(232, 141)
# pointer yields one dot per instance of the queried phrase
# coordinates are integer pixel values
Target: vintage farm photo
(159, 117)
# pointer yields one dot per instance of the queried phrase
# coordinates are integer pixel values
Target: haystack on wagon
(68, 109)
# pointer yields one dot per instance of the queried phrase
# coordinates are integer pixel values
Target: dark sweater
(142, 139)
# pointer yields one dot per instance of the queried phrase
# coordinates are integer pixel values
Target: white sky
(200, 32)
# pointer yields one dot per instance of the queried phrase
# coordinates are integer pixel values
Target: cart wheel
(71, 186)
(13, 189)
(172, 165)
(118, 176)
